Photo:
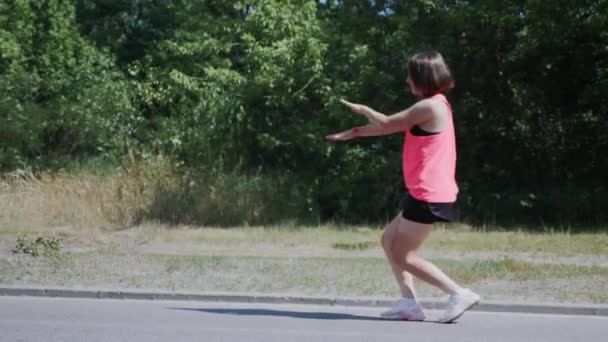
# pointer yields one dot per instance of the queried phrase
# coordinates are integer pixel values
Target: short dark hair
(429, 73)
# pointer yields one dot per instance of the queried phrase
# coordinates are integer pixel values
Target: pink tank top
(429, 163)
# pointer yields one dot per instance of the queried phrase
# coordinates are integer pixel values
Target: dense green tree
(251, 87)
(61, 97)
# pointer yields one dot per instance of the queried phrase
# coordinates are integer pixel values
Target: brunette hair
(429, 73)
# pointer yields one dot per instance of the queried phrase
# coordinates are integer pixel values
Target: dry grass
(87, 206)
(83, 202)
(30, 203)
(149, 190)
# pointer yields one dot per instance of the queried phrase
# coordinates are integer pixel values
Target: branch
(304, 87)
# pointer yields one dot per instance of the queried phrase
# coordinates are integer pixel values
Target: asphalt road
(60, 319)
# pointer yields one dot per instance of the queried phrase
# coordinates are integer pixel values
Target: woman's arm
(370, 130)
(372, 115)
(420, 112)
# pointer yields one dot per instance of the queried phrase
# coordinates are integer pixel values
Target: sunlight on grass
(563, 244)
(318, 235)
(462, 238)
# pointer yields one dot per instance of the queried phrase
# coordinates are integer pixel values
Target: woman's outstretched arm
(419, 113)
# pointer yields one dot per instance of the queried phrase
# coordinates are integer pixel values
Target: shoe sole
(462, 313)
(398, 317)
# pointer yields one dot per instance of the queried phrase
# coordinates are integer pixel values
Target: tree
(62, 98)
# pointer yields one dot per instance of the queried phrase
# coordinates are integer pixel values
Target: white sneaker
(458, 303)
(405, 309)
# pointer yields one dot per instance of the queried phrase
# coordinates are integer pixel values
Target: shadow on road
(293, 314)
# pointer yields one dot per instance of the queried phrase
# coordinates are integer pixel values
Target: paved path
(63, 319)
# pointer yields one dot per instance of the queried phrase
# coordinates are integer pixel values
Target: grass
(84, 201)
(560, 243)
(111, 215)
(456, 238)
(150, 190)
(309, 276)
(87, 206)
(517, 270)
(282, 234)
(330, 240)
(349, 246)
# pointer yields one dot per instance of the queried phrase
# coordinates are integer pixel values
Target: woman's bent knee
(410, 258)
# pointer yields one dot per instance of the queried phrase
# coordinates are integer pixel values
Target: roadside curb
(484, 306)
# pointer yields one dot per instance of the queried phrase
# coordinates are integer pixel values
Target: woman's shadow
(292, 314)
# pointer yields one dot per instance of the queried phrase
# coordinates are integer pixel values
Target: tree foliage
(61, 96)
(252, 87)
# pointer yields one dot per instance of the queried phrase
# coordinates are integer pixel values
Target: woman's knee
(398, 252)
(410, 258)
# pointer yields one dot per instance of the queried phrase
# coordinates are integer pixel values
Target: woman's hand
(357, 108)
(343, 136)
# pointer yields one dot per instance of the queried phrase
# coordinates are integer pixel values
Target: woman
(429, 166)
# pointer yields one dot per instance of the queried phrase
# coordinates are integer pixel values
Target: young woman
(429, 164)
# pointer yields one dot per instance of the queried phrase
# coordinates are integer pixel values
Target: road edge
(143, 294)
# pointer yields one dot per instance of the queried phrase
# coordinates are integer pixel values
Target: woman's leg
(404, 279)
(407, 240)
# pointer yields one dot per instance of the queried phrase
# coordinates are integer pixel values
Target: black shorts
(425, 212)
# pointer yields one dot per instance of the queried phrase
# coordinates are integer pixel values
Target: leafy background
(237, 96)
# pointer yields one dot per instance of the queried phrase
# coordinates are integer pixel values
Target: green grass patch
(331, 240)
(561, 243)
(516, 270)
(358, 246)
(41, 245)
(457, 238)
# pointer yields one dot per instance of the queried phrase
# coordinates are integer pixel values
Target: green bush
(47, 246)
